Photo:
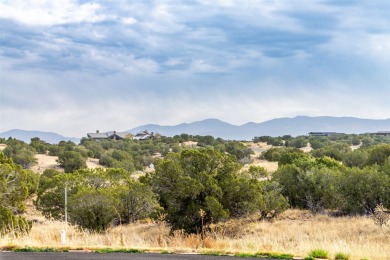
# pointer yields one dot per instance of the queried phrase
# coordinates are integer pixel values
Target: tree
(334, 150)
(320, 189)
(385, 168)
(274, 202)
(296, 157)
(379, 154)
(356, 158)
(298, 142)
(14, 190)
(355, 140)
(50, 195)
(274, 154)
(94, 147)
(290, 177)
(20, 152)
(97, 198)
(205, 180)
(308, 183)
(93, 209)
(263, 139)
(275, 141)
(257, 172)
(39, 145)
(241, 196)
(71, 161)
(238, 149)
(137, 201)
(118, 159)
(361, 190)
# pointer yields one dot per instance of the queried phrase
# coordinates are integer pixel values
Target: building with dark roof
(143, 135)
(382, 133)
(108, 135)
(324, 133)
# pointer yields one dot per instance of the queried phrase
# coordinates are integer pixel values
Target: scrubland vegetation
(197, 198)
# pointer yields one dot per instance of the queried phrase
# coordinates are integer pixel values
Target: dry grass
(271, 167)
(296, 232)
(258, 148)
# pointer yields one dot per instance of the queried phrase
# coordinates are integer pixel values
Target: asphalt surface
(109, 256)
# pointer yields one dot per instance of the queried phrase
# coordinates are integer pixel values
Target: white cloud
(170, 62)
(129, 20)
(49, 12)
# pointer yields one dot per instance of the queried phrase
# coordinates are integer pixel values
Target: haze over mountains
(300, 125)
(26, 135)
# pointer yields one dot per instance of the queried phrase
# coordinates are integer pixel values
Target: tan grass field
(296, 232)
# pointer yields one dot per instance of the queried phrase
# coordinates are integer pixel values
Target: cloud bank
(76, 66)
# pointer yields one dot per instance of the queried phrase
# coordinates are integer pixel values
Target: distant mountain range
(300, 125)
(48, 137)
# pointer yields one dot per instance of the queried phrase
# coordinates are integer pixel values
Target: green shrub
(246, 255)
(271, 255)
(341, 256)
(124, 250)
(319, 253)
(165, 252)
(39, 249)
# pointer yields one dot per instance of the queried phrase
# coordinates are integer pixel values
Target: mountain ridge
(26, 135)
(299, 125)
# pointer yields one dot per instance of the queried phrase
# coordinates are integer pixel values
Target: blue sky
(73, 67)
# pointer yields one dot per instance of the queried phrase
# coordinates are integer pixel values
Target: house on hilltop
(381, 133)
(143, 135)
(108, 135)
(325, 134)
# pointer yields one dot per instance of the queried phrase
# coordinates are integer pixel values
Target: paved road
(109, 256)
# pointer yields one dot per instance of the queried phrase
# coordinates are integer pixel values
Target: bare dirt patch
(306, 149)
(46, 162)
(190, 144)
(50, 162)
(93, 163)
(354, 147)
(258, 148)
(269, 166)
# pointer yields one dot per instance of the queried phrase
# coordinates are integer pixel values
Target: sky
(77, 66)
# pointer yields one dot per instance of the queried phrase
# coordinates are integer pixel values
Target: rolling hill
(49, 137)
(300, 125)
